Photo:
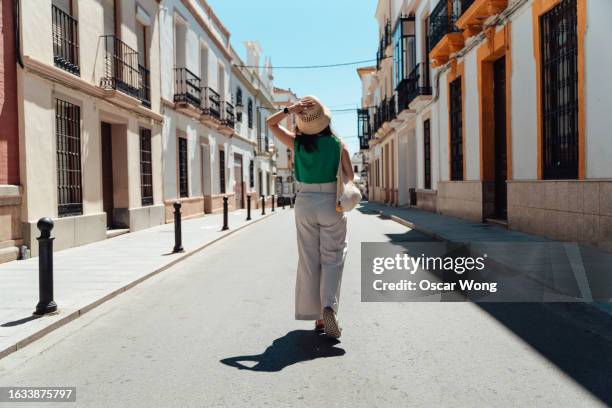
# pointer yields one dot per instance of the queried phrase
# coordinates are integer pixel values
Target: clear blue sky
(309, 32)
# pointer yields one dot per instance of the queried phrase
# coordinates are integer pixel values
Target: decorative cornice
(222, 47)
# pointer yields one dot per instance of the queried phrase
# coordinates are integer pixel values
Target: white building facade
(285, 179)
(89, 118)
(502, 105)
(252, 166)
(197, 106)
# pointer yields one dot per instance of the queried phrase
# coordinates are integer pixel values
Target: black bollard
(263, 205)
(283, 202)
(273, 202)
(178, 235)
(291, 201)
(225, 226)
(46, 304)
(248, 207)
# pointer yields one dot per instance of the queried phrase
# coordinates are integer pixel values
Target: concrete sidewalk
(564, 268)
(87, 276)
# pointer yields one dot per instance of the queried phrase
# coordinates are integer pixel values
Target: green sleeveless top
(320, 165)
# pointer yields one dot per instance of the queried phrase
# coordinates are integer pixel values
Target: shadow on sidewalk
(294, 347)
(576, 337)
(20, 321)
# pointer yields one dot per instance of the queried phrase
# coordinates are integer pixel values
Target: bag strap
(339, 177)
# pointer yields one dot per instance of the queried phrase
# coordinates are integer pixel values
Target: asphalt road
(217, 330)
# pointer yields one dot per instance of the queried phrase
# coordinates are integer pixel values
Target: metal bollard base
(43, 309)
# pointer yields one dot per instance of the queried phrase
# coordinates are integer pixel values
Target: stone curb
(73, 315)
(413, 226)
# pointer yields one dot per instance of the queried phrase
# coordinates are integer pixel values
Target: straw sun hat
(314, 119)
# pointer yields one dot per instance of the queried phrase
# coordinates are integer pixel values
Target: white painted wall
(524, 99)
(598, 60)
(471, 124)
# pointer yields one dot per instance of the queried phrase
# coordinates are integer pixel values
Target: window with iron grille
(68, 150)
(238, 103)
(251, 174)
(559, 48)
(183, 173)
(456, 131)
(146, 167)
(427, 153)
(65, 31)
(222, 171)
(250, 113)
(268, 192)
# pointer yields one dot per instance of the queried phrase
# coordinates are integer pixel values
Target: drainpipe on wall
(17, 32)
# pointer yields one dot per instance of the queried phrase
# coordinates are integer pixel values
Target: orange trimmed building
(498, 108)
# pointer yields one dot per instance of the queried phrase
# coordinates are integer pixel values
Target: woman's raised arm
(273, 122)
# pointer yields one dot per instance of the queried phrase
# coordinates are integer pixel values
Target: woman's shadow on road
(294, 347)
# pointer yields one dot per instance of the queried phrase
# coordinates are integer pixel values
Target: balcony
(122, 71)
(65, 41)
(475, 12)
(227, 124)
(444, 37)
(385, 41)
(211, 107)
(416, 84)
(187, 92)
(385, 112)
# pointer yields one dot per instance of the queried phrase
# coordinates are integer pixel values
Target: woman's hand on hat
(302, 104)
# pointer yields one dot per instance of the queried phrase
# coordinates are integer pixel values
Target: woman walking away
(320, 224)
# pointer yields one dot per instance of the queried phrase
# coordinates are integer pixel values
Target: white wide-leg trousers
(321, 239)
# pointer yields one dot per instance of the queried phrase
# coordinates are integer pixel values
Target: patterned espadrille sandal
(332, 328)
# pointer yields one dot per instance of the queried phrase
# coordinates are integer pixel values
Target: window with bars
(183, 173)
(222, 171)
(146, 167)
(250, 113)
(65, 31)
(251, 174)
(427, 153)
(456, 130)
(68, 150)
(239, 104)
(559, 52)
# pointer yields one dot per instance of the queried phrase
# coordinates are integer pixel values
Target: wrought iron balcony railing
(442, 21)
(385, 41)
(212, 103)
(230, 117)
(121, 67)
(187, 87)
(145, 86)
(417, 83)
(391, 109)
(65, 41)
(385, 112)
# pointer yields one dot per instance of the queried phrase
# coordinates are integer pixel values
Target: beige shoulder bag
(347, 194)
